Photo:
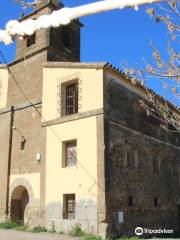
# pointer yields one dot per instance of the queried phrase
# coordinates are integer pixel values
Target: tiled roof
(145, 88)
(109, 66)
(3, 66)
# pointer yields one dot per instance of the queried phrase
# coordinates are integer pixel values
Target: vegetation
(126, 238)
(13, 225)
(39, 229)
(22, 228)
(78, 232)
(163, 67)
(8, 225)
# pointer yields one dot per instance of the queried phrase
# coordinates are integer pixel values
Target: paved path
(17, 235)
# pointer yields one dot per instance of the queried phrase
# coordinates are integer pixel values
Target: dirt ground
(16, 235)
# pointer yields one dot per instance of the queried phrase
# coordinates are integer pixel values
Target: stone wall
(28, 74)
(27, 128)
(133, 142)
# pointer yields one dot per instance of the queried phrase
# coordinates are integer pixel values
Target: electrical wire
(36, 109)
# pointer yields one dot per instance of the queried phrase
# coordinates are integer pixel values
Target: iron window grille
(71, 98)
(69, 206)
(69, 94)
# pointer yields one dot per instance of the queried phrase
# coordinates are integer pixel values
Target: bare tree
(166, 71)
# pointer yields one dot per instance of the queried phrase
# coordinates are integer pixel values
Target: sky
(117, 36)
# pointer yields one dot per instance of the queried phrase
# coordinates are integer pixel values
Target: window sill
(75, 167)
(66, 219)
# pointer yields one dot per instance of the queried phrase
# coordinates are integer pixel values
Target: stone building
(75, 145)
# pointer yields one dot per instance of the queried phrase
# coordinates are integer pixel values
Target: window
(156, 202)
(68, 206)
(66, 37)
(70, 153)
(23, 143)
(130, 201)
(31, 40)
(70, 98)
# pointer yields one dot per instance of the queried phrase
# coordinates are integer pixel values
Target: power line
(52, 130)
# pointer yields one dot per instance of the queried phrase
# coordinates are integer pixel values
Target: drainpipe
(9, 159)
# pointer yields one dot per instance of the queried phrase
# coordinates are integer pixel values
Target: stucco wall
(81, 180)
(90, 89)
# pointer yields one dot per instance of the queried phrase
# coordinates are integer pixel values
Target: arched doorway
(19, 202)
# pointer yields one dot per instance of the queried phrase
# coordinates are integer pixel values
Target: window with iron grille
(69, 154)
(31, 40)
(70, 98)
(69, 206)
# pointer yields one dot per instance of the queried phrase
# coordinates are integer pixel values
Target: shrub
(39, 229)
(77, 231)
(8, 225)
(13, 225)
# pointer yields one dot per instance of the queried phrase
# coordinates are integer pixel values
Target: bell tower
(60, 44)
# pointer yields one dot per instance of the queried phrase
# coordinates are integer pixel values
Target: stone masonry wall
(29, 75)
(27, 127)
(142, 162)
